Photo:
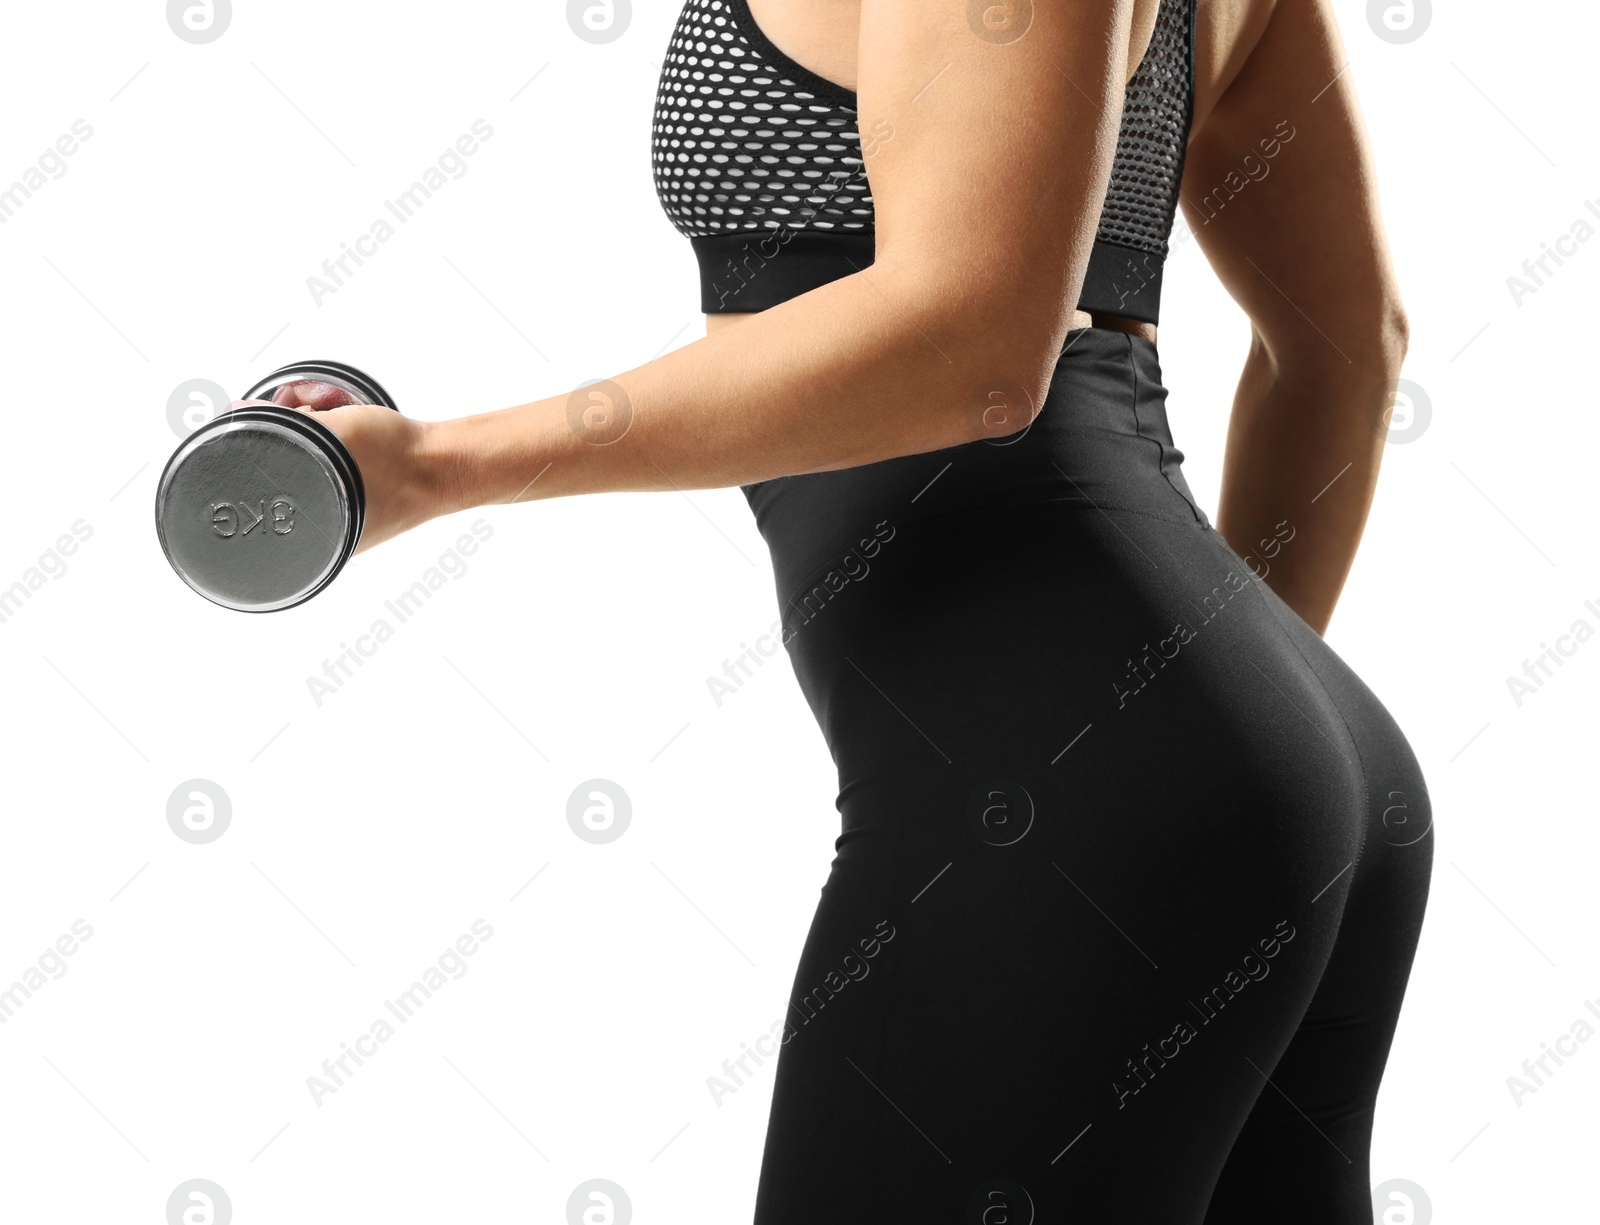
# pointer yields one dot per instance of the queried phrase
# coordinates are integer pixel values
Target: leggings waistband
(1101, 441)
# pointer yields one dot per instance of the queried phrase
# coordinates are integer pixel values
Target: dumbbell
(260, 508)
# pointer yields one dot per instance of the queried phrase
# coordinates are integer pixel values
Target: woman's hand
(400, 476)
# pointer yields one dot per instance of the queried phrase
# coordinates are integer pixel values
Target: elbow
(1006, 401)
(1366, 344)
(1399, 332)
(1004, 371)
(978, 344)
(1385, 343)
(998, 407)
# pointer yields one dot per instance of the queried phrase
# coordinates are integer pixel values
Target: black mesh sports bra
(759, 162)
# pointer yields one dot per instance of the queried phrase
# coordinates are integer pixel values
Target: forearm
(1304, 446)
(1305, 255)
(986, 187)
(870, 367)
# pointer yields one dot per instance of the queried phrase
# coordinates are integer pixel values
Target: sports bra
(758, 161)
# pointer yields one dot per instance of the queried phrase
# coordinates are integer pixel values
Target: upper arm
(1279, 189)
(989, 154)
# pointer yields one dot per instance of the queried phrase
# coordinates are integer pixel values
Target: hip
(1056, 596)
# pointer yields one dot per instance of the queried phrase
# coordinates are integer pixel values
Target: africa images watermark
(1537, 671)
(1565, 1045)
(1538, 269)
(452, 564)
(51, 965)
(1142, 668)
(1251, 968)
(52, 162)
(764, 1048)
(736, 671)
(852, 567)
(52, 564)
(452, 162)
(1253, 167)
(852, 969)
(451, 964)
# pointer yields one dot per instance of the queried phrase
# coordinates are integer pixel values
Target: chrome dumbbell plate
(259, 509)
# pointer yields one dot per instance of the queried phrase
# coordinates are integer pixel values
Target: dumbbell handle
(358, 383)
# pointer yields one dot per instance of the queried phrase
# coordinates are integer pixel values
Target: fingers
(312, 394)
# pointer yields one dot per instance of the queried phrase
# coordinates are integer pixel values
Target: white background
(370, 831)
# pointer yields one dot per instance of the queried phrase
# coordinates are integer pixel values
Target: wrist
(440, 470)
(487, 458)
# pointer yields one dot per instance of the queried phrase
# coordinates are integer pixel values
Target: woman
(1133, 866)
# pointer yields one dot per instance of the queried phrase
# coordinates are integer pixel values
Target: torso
(822, 35)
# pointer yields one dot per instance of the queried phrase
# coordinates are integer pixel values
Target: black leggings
(1133, 865)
